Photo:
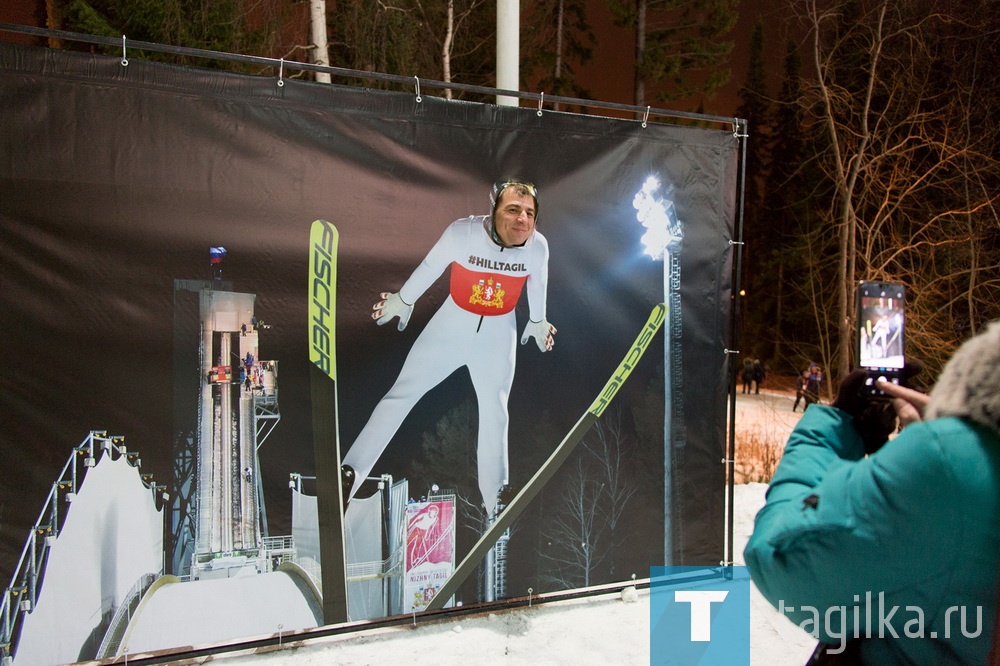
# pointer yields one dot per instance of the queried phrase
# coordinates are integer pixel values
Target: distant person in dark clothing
(747, 374)
(801, 386)
(759, 374)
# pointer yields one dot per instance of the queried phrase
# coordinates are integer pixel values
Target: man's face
(514, 220)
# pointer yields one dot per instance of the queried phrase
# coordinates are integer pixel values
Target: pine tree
(757, 238)
(440, 40)
(786, 207)
(230, 26)
(559, 39)
(681, 51)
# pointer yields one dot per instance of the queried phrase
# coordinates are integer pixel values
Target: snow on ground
(598, 630)
(774, 639)
(769, 412)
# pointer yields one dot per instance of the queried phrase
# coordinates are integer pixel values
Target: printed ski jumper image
(492, 259)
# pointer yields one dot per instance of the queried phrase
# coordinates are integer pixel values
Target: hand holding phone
(909, 404)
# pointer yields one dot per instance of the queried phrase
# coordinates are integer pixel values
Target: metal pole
(668, 438)
(508, 49)
(741, 131)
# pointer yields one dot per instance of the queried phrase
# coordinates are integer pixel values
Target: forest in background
(872, 157)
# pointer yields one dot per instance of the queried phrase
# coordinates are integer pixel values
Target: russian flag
(216, 255)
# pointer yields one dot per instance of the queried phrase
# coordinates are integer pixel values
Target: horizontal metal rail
(300, 638)
(282, 64)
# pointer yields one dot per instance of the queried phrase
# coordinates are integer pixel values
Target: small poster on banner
(430, 551)
(221, 374)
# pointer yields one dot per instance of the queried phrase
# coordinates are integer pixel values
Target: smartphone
(881, 327)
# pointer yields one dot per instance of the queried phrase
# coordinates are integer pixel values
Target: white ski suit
(474, 327)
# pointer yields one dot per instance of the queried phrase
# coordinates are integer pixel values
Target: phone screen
(881, 328)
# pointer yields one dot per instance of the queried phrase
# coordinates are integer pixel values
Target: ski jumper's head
(515, 212)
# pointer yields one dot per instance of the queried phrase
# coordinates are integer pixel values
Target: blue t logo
(701, 611)
(699, 616)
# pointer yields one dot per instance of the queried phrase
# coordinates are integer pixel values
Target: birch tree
(586, 530)
(612, 451)
(572, 545)
(442, 40)
(559, 41)
(452, 26)
(907, 170)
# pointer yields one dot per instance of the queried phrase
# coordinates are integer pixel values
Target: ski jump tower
(226, 524)
(219, 519)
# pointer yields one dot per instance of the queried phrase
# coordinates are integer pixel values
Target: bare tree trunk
(846, 181)
(560, 17)
(973, 255)
(778, 303)
(317, 30)
(53, 22)
(446, 48)
(640, 52)
(557, 71)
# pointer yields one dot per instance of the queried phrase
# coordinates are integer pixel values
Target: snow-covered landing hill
(608, 629)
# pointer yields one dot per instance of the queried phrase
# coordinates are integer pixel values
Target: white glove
(391, 306)
(542, 331)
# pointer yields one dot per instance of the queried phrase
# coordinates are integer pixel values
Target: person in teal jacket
(895, 545)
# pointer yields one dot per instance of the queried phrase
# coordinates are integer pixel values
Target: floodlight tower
(656, 212)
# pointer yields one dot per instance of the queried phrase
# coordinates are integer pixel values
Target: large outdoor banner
(154, 286)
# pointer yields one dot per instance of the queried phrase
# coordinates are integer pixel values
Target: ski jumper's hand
(542, 331)
(391, 306)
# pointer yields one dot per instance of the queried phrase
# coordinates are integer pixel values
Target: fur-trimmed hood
(969, 385)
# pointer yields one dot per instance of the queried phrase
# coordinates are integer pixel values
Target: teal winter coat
(900, 548)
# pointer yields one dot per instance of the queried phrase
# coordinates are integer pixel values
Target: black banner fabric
(116, 180)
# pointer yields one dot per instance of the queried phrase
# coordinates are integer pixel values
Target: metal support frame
(405, 82)
(740, 132)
